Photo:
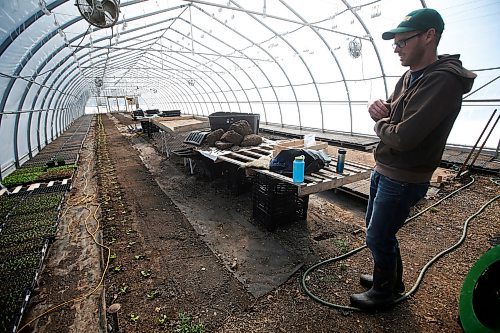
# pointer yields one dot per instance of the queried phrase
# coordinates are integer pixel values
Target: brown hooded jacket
(413, 137)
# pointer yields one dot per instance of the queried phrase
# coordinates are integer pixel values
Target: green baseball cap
(420, 19)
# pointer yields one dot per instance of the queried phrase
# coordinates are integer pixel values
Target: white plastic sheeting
(287, 60)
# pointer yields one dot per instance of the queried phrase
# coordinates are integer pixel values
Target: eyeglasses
(402, 43)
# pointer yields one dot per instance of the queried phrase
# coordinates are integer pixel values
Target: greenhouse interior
(249, 166)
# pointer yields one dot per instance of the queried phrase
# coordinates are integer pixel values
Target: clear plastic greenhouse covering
(304, 64)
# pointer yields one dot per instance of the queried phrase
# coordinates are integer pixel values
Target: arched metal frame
(68, 88)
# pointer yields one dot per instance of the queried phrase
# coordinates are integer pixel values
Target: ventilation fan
(355, 48)
(100, 13)
(98, 82)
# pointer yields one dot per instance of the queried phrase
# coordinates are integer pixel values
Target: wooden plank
(17, 189)
(181, 125)
(358, 165)
(347, 166)
(296, 144)
(328, 174)
(362, 141)
(328, 185)
(228, 159)
(251, 153)
(314, 179)
(243, 157)
(276, 176)
(263, 150)
(158, 119)
(360, 188)
(345, 173)
(359, 184)
(3, 191)
(65, 181)
(347, 170)
(51, 183)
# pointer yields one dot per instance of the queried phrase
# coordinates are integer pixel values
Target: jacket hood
(452, 64)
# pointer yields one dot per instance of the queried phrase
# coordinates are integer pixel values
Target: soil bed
(161, 267)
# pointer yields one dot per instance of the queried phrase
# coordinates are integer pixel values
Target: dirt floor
(164, 263)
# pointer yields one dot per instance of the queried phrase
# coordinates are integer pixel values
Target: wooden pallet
(180, 124)
(325, 179)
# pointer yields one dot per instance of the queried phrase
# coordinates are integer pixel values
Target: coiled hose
(424, 269)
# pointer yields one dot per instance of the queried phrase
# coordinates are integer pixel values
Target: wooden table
(180, 123)
(325, 179)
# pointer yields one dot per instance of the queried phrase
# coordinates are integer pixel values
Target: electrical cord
(424, 269)
(93, 234)
(75, 299)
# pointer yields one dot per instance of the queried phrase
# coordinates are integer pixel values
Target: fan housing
(99, 13)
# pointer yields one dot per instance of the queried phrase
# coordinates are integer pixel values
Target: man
(413, 126)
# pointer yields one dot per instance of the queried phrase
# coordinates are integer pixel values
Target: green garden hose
(424, 269)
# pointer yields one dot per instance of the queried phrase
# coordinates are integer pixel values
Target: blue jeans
(388, 207)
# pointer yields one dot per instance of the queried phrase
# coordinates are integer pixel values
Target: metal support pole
(464, 166)
(484, 142)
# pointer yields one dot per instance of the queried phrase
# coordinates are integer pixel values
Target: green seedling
(134, 317)
(162, 319)
(129, 231)
(329, 279)
(145, 274)
(139, 257)
(186, 325)
(131, 243)
(118, 268)
(123, 289)
(113, 256)
(342, 245)
(112, 240)
(152, 294)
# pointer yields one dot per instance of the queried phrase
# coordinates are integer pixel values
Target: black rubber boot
(381, 293)
(366, 280)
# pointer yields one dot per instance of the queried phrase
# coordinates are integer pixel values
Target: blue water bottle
(340, 161)
(298, 169)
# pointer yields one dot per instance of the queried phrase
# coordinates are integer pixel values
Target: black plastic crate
(151, 112)
(170, 113)
(196, 137)
(236, 179)
(225, 119)
(149, 128)
(276, 203)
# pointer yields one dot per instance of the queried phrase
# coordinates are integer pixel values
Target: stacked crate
(276, 203)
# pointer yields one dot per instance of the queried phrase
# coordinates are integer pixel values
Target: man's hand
(378, 109)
